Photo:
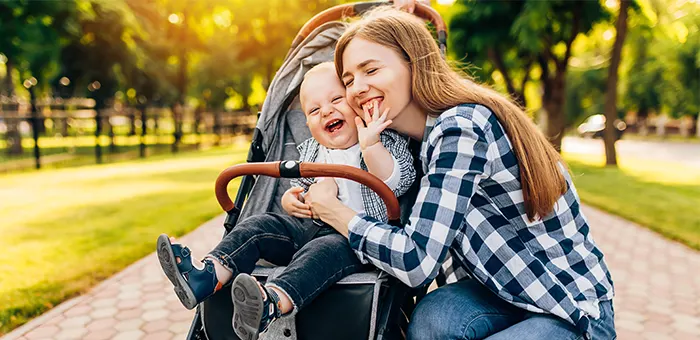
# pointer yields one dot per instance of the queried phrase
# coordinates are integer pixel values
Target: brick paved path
(657, 286)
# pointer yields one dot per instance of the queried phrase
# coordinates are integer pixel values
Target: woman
(496, 208)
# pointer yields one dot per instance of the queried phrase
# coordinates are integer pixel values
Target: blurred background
(117, 115)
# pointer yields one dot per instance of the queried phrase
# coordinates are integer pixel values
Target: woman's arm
(414, 253)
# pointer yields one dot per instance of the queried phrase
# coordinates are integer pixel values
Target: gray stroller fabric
(283, 128)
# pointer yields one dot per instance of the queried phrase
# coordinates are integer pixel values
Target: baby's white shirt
(349, 192)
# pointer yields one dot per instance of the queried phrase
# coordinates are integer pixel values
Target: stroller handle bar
(296, 169)
(340, 12)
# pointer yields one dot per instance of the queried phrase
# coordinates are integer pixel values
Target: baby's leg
(272, 237)
(313, 269)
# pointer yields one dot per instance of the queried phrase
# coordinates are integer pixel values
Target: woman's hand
(409, 5)
(322, 198)
(368, 130)
(293, 203)
(324, 190)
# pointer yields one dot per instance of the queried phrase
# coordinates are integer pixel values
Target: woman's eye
(348, 83)
(372, 71)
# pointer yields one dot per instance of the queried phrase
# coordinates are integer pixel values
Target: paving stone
(629, 325)
(101, 334)
(130, 335)
(162, 335)
(656, 336)
(128, 325)
(128, 304)
(42, 332)
(156, 326)
(129, 314)
(155, 314)
(106, 302)
(103, 312)
(70, 334)
(81, 309)
(74, 322)
(101, 324)
(153, 304)
(179, 327)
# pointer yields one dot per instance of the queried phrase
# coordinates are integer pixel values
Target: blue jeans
(468, 310)
(314, 262)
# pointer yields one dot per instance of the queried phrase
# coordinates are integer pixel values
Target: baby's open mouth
(334, 125)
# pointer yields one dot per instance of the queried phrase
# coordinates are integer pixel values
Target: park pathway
(657, 284)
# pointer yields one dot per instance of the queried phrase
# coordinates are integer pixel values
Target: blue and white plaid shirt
(469, 218)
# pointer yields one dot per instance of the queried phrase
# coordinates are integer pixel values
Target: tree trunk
(36, 121)
(497, 59)
(697, 125)
(610, 133)
(13, 136)
(553, 103)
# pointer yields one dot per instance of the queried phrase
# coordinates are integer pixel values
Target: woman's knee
(459, 311)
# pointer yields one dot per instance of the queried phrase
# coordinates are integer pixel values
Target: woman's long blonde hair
(436, 87)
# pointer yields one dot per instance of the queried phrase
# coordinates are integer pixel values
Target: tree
(542, 33)
(493, 48)
(31, 36)
(610, 134)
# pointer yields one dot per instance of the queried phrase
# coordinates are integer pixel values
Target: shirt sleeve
(393, 181)
(403, 162)
(456, 159)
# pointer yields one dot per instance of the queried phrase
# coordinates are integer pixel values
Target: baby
(314, 262)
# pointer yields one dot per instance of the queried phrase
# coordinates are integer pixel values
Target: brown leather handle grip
(272, 169)
(340, 12)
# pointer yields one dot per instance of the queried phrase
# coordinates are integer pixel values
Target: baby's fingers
(300, 205)
(384, 125)
(367, 114)
(360, 124)
(302, 213)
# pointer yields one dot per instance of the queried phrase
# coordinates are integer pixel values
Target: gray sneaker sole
(247, 307)
(169, 264)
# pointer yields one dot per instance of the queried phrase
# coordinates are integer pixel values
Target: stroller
(374, 304)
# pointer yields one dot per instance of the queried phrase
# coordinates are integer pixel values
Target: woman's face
(375, 72)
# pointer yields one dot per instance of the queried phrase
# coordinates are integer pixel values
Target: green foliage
(513, 43)
(32, 34)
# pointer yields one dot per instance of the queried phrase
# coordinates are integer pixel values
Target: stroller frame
(400, 302)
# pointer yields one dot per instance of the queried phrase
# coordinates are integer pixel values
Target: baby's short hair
(327, 66)
(324, 66)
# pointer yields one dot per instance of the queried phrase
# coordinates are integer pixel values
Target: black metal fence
(71, 132)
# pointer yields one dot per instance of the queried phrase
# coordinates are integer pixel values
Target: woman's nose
(359, 88)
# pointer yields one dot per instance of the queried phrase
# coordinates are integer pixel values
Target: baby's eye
(313, 112)
(337, 99)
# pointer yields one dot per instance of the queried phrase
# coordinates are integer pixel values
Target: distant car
(594, 125)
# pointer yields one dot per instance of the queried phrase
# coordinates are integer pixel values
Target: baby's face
(329, 117)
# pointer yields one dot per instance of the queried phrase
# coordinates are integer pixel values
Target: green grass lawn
(662, 196)
(65, 230)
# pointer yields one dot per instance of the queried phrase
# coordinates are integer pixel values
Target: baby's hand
(374, 123)
(293, 204)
